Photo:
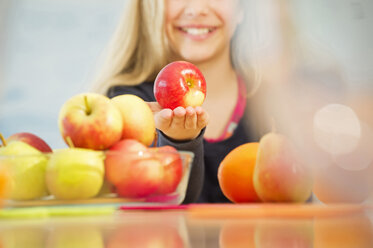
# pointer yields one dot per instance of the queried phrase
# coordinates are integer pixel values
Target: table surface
(214, 225)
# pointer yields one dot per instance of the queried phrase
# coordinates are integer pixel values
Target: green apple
(75, 173)
(26, 167)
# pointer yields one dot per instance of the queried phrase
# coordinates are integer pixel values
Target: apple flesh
(91, 121)
(75, 173)
(32, 140)
(180, 83)
(26, 167)
(137, 118)
(132, 169)
(279, 174)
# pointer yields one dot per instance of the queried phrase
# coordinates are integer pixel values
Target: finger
(154, 106)
(178, 118)
(190, 118)
(163, 119)
(199, 110)
(202, 119)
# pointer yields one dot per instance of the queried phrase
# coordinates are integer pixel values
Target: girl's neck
(218, 73)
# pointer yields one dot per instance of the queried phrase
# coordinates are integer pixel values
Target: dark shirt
(203, 184)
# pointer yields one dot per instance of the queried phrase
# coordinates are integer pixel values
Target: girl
(153, 33)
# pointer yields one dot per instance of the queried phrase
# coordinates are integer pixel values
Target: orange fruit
(235, 173)
(4, 183)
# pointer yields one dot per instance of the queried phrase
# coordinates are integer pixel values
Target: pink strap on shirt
(236, 115)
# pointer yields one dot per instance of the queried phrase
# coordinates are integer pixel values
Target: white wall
(50, 49)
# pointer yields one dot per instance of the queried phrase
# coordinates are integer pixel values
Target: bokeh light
(336, 129)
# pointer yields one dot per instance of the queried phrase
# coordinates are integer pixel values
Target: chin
(201, 53)
(196, 57)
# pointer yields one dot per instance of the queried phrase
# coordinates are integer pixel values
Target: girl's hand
(180, 123)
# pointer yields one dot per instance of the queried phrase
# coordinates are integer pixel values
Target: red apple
(180, 83)
(132, 169)
(91, 121)
(32, 140)
(173, 168)
(121, 155)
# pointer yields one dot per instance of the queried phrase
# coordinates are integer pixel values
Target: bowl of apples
(127, 173)
(109, 158)
(155, 174)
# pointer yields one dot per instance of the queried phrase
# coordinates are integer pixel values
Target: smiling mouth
(197, 31)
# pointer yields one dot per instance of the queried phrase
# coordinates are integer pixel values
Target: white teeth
(196, 31)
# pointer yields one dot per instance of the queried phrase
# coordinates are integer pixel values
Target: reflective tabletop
(198, 226)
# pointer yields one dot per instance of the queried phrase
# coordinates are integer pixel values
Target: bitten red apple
(91, 121)
(180, 83)
(132, 169)
(32, 140)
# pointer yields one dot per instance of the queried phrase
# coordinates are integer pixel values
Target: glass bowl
(80, 176)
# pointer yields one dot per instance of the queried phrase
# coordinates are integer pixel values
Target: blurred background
(315, 57)
(49, 50)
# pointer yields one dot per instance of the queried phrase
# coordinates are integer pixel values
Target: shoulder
(143, 90)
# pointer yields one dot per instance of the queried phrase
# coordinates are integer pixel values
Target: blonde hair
(139, 48)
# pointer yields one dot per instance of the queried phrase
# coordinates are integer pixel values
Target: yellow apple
(138, 120)
(25, 166)
(75, 173)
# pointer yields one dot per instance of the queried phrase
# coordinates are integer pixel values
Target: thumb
(154, 106)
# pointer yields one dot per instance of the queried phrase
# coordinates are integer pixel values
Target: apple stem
(70, 142)
(88, 108)
(2, 139)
